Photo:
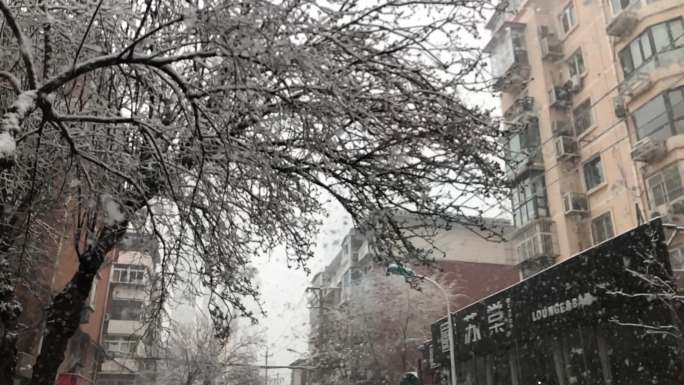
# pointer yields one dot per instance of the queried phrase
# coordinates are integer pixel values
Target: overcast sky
(283, 291)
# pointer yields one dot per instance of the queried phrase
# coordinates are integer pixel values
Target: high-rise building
(592, 93)
(128, 340)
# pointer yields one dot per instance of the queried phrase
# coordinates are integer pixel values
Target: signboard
(586, 289)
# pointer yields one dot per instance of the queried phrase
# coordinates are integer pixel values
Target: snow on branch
(24, 45)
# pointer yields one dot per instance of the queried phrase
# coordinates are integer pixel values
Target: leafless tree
(193, 356)
(222, 128)
(373, 336)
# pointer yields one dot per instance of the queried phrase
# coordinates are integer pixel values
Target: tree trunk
(9, 320)
(64, 314)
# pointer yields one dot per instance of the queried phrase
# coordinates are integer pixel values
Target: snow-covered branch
(25, 50)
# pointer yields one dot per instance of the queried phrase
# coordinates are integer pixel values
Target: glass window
(567, 17)
(576, 63)
(120, 346)
(593, 173)
(582, 117)
(498, 368)
(125, 310)
(655, 40)
(602, 228)
(580, 362)
(665, 186)
(676, 28)
(651, 119)
(619, 5)
(529, 200)
(128, 274)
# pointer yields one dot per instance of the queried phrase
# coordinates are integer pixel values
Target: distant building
(128, 341)
(478, 267)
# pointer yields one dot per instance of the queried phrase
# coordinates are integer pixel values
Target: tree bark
(9, 320)
(64, 314)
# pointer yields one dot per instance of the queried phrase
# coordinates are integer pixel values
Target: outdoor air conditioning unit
(559, 98)
(561, 128)
(622, 24)
(566, 148)
(551, 47)
(619, 107)
(575, 203)
(574, 85)
(639, 84)
(648, 150)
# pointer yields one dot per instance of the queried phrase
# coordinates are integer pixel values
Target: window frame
(594, 158)
(672, 119)
(585, 111)
(662, 184)
(639, 39)
(609, 215)
(128, 269)
(574, 63)
(571, 14)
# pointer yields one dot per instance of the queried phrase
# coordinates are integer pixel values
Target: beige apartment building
(593, 96)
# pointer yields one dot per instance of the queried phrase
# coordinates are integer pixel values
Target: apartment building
(592, 94)
(128, 340)
(476, 267)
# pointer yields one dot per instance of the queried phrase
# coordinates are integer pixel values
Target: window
(665, 186)
(529, 200)
(593, 173)
(576, 63)
(582, 117)
(657, 40)
(567, 17)
(602, 228)
(662, 116)
(93, 293)
(620, 5)
(126, 310)
(128, 274)
(120, 346)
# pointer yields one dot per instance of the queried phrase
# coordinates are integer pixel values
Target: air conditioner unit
(619, 107)
(551, 47)
(648, 150)
(575, 203)
(622, 24)
(559, 98)
(566, 148)
(637, 85)
(561, 128)
(574, 85)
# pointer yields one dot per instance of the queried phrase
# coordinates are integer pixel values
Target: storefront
(597, 318)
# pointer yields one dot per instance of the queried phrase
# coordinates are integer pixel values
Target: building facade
(127, 339)
(592, 94)
(472, 267)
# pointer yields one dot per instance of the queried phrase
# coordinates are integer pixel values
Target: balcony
(127, 291)
(521, 112)
(505, 11)
(508, 56)
(120, 365)
(125, 327)
(535, 241)
(623, 23)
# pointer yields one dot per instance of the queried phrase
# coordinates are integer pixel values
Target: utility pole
(266, 355)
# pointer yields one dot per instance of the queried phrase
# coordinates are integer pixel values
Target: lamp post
(396, 269)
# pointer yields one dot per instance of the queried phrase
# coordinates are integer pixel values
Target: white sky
(283, 293)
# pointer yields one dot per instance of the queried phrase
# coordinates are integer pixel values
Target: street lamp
(405, 272)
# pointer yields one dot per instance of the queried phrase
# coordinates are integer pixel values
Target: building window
(576, 63)
(582, 117)
(120, 346)
(126, 310)
(134, 274)
(593, 173)
(567, 17)
(657, 41)
(620, 5)
(665, 186)
(662, 116)
(602, 228)
(529, 200)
